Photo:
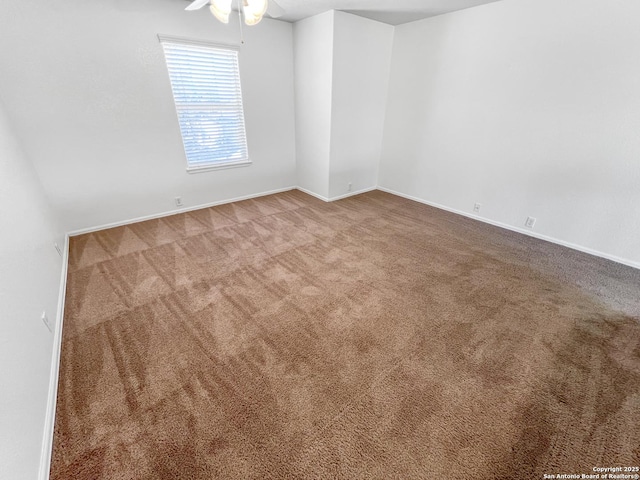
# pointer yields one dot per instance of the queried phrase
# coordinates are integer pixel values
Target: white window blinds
(206, 89)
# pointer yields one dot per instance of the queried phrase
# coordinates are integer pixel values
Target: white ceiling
(393, 12)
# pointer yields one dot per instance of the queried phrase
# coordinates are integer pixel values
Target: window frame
(211, 164)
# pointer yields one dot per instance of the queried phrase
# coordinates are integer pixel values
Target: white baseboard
(313, 194)
(97, 228)
(340, 197)
(351, 194)
(176, 211)
(573, 246)
(50, 416)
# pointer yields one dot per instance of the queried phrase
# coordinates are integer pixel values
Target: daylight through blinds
(206, 89)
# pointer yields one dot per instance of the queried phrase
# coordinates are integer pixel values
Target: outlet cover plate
(45, 320)
(531, 221)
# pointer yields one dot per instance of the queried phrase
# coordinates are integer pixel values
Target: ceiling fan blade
(197, 4)
(274, 10)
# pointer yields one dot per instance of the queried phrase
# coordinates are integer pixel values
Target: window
(205, 81)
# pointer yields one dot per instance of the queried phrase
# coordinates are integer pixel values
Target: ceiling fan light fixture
(253, 11)
(221, 9)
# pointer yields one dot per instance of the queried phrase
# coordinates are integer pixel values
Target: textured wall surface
(313, 47)
(92, 105)
(530, 108)
(361, 61)
(341, 76)
(29, 283)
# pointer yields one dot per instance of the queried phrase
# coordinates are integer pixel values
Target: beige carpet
(373, 337)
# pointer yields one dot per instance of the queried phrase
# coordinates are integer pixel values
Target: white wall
(342, 66)
(361, 62)
(29, 283)
(313, 60)
(529, 107)
(90, 98)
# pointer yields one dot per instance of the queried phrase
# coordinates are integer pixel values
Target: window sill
(222, 166)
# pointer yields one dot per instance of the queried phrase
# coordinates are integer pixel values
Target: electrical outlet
(530, 222)
(178, 201)
(476, 207)
(45, 320)
(58, 249)
(349, 187)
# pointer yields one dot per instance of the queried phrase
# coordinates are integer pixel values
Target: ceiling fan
(252, 10)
